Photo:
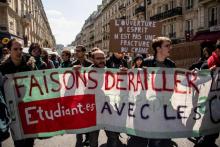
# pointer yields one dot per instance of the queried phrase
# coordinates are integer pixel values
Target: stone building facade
(25, 20)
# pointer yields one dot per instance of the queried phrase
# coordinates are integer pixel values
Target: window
(166, 7)
(213, 13)
(172, 4)
(189, 4)
(188, 25)
(172, 32)
(164, 30)
(159, 10)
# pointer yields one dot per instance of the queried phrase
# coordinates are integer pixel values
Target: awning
(208, 36)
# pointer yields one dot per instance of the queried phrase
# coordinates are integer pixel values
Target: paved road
(69, 141)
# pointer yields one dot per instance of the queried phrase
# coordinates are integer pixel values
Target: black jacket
(66, 64)
(152, 62)
(113, 62)
(8, 66)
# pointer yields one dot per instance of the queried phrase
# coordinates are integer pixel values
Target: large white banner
(151, 102)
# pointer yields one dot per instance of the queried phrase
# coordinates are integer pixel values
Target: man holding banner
(81, 61)
(162, 47)
(17, 62)
(115, 61)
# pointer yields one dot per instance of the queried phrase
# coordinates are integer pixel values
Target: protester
(55, 61)
(214, 59)
(161, 47)
(45, 58)
(98, 58)
(81, 61)
(17, 62)
(212, 63)
(81, 58)
(115, 61)
(137, 62)
(66, 55)
(206, 53)
(35, 51)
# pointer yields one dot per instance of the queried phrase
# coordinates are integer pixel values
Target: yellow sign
(5, 40)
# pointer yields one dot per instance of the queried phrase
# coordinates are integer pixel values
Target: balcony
(170, 13)
(140, 9)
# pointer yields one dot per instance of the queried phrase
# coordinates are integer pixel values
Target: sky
(66, 17)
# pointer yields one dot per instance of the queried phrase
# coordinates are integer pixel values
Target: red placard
(65, 113)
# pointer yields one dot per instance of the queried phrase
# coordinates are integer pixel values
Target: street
(70, 140)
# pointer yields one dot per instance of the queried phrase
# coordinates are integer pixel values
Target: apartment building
(182, 21)
(25, 20)
(95, 32)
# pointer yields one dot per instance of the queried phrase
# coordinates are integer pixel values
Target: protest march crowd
(13, 60)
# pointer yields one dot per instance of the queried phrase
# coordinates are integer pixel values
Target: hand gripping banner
(151, 102)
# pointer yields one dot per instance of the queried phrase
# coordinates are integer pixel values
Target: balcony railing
(170, 13)
(139, 9)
